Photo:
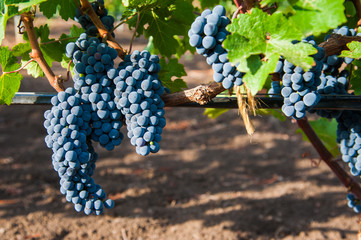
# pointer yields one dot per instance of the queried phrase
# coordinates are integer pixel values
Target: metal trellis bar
(328, 102)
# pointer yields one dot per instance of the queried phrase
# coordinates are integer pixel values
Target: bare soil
(210, 180)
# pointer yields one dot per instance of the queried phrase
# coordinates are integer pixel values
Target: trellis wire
(330, 102)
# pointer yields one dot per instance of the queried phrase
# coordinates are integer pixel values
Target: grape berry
(207, 33)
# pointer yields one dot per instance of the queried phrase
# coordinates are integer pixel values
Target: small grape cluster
(138, 96)
(331, 85)
(332, 63)
(102, 12)
(299, 88)
(92, 60)
(349, 138)
(275, 89)
(207, 33)
(354, 203)
(68, 125)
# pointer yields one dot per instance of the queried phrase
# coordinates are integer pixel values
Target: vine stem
(21, 68)
(248, 4)
(336, 43)
(239, 10)
(238, 3)
(58, 40)
(104, 33)
(201, 94)
(327, 157)
(135, 32)
(122, 22)
(36, 54)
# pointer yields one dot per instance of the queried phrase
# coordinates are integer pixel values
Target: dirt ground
(209, 180)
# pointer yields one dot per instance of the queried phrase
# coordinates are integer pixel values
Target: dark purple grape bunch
(349, 138)
(138, 95)
(68, 126)
(331, 64)
(207, 34)
(299, 87)
(102, 12)
(275, 89)
(92, 60)
(329, 86)
(354, 203)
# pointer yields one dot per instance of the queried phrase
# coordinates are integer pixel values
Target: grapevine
(252, 48)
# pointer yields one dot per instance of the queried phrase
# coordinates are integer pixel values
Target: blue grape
(73, 155)
(138, 98)
(349, 138)
(207, 33)
(102, 13)
(299, 88)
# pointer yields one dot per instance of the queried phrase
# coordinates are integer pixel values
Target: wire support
(328, 102)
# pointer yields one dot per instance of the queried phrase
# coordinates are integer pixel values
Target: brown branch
(327, 157)
(238, 3)
(104, 33)
(248, 4)
(201, 94)
(123, 21)
(37, 55)
(336, 43)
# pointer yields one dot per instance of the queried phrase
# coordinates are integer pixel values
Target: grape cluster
(92, 61)
(349, 138)
(275, 89)
(68, 125)
(332, 63)
(207, 33)
(331, 85)
(138, 96)
(102, 12)
(354, 203)
(299, 88)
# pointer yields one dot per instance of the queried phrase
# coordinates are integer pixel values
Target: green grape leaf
(9, 83)
(32, 68)
(21, 49)
(169, 70)
(138, 4)
(354, 52)
(270, 35)
(23, 4)
(318, 16)
(355, 77)
(163, 30)
(182, 11)
(326, 131)
(256, 78)
(208, 3)
(214, 112)
(350, 9)
(284, 6)
(165, 21)
(66, 8)
(260, 33)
